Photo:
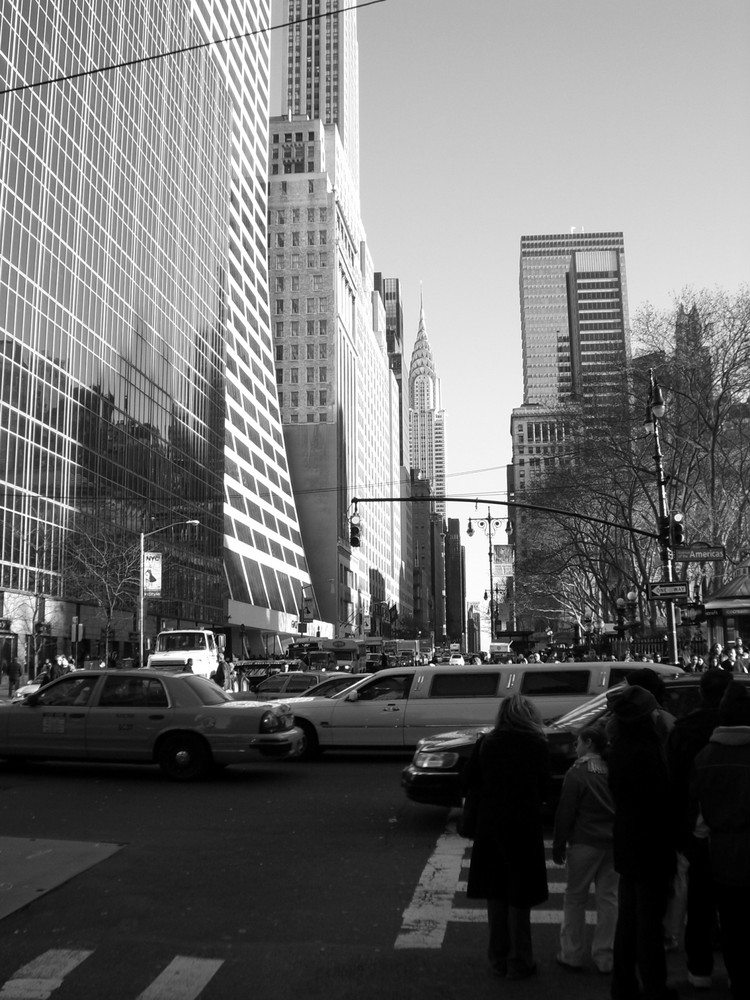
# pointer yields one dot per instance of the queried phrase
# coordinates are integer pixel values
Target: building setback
(137, 373)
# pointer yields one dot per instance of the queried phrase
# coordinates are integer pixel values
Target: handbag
(466, 823)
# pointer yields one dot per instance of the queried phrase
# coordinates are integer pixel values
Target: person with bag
(507, 775)
(582, 838)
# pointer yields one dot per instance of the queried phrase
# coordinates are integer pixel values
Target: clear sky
(485, 120)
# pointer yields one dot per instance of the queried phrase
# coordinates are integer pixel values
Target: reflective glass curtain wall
(114, 199)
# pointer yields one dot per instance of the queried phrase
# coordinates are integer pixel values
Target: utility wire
(188, 48)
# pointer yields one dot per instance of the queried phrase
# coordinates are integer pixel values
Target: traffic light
(676, 529)
(665, 530)
(354, 530)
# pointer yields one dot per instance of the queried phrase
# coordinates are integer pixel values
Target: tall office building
(137, 368)
(426, 416)
(338, 396)
(574, 318)
(322, 71)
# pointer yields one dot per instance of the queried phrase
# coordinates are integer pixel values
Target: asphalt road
(281, 880)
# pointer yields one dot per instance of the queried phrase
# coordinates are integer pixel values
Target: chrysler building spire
(426, 416)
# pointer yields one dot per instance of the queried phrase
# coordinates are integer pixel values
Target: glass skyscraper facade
(137, 381)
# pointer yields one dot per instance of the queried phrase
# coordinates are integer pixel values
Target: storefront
(728, 609)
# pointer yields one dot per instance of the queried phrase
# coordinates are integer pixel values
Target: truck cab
(187, 650)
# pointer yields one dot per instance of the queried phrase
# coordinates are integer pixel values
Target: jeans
(510, 937)
(700, 928)
(734, 916)
(588, 864)
(639, 938)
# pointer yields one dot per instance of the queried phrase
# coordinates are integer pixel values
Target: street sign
(699, 552)
(660, 590)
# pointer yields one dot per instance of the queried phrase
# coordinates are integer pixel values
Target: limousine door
(456, 699)
(374, 718)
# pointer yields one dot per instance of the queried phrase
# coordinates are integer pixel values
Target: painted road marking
(40, 978)
(426, 918)
(183, 979)
(432, 908)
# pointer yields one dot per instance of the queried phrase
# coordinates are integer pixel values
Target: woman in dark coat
(509, 771)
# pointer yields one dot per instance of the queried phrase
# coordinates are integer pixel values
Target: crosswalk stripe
(478, 915)
(426, 918)
(39, 979)
(183, 979)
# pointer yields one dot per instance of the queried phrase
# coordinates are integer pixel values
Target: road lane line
(183, 979)
(39, 979)
(425, 920)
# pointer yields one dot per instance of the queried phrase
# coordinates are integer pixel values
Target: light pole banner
(152, 574)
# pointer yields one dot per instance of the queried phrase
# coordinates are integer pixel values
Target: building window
(279, 261)
(322, 303)
(311, 305)
(280, 218)
(295, 238)
(295, 306)
(310, 375)
(323, 215)
(280, 239)
(295, 215)
(295, 282)
(294, 375)
(311, 328)
(279, 376)
(279, 306)
(279, 329)
(323, 327)
(311, 397)
(324, 260)
(311, 187)
(294, 396)
(322, 237)
(311, 215)
(324, 397)
(311, 260)
(317, 282)
(323, 350)
(323, 375)
(295, 261)
(311, 352)
(295, 328)
(279, 352)
(310, 238)
(279, 284)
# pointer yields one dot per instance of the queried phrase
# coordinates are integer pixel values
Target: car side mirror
(353, 696)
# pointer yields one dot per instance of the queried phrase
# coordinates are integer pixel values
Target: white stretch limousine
(396, 708)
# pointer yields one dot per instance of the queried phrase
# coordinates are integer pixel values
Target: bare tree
(102, 567)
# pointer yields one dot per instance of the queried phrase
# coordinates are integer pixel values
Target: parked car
(334, 685)
(434, 775)
(295, 683)
(395, 708)
(184, 723)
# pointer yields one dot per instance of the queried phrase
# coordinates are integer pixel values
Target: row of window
(312, 305)
(279, 215)
(312, 327)
(313, 397)
(293, 375)
(291, 352)
(280, 238)
(281, 283)
(295, 260)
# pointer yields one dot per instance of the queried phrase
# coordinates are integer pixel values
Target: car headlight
(435, 761)
(274, 721)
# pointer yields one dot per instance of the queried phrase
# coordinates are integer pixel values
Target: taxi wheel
(184, 758)
(310, 748)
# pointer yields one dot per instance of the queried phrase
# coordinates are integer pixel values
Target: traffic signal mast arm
(510, 503)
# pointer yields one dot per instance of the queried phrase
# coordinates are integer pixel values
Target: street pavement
(438, 951)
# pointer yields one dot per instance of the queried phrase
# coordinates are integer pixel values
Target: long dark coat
(510, 770)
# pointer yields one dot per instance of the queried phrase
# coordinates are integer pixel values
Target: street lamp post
(655, 410)
(489, 525)
(141, 589)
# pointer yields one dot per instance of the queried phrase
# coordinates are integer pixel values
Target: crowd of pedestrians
(655, 812)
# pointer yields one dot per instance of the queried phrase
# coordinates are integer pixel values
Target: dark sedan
(434, 775)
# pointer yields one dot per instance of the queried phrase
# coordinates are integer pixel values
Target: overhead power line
(182, 51)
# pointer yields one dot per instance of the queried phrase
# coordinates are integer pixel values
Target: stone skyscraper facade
(339, 398)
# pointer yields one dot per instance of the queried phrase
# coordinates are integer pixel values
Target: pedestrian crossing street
(184, 978)
(436, 902)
